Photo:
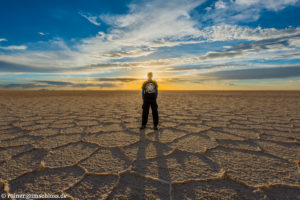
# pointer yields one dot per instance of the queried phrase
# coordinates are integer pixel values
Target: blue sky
(95, 44)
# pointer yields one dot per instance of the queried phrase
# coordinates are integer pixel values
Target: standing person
(149, 94)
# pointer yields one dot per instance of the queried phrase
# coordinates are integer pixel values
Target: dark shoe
(143, 127)
(155, 128)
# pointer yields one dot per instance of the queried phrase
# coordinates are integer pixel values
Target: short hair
(150, 74)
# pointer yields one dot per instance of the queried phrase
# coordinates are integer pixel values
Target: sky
(187, 44)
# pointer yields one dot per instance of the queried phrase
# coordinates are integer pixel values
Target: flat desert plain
(210, 145)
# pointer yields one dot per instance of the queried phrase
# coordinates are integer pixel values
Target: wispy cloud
(268, 4)
(156, 20)
(90, 18)
(231, 12)
(42, 33)
(15, 67)
(18, 85)
(267, 45)
(234, 32)
(55, 85)
(117, 79)
(256, 73)
(202, 67)
(14, 47)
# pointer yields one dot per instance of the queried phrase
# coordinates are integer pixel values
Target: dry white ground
(211, 145)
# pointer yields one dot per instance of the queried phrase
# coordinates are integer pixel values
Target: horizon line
(96, 90)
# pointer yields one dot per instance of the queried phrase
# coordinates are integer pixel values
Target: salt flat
(211, 145)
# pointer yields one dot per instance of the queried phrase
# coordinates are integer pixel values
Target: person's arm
(156, 90)
(143, 91)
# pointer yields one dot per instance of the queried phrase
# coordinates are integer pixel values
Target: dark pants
(146, 105)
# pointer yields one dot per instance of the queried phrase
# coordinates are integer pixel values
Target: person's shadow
(163, 171)
(140, 158)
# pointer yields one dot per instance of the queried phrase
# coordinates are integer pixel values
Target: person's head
(150, 75)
